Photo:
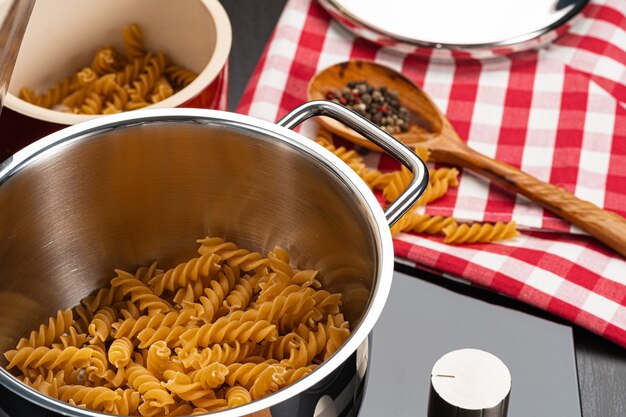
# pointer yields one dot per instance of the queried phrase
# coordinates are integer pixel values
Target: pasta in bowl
(223, 329)
(70, 70)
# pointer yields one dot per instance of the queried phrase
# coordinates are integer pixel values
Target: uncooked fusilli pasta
(479, 232)
(392, 184)
(115, 82)
(245, 325)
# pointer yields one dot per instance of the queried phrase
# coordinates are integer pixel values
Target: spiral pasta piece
(235, 257)
(161, 90)
(104, 61)
(210, 304)
(373, 178)
(293, 375)
(118, 100)
(136, 103)
(226, 353)
(127, 310)
(169, 335)
(183, 273)
(96, 398)
(237, 395)
(71, 338)
(74, 100)
(50, 333)
(104, 297)
(310, 345)
(139, 292)
(282, 273)
(146, 273)
(376, 179)
(210, 376)
(272, 290)
(225, 329)
(281, 348)
(132, 327)
(242, 293)
(92, 105)
(259, 378)
(290, 302)
(159, 358)
(98, 362)
(398, 183)
(133, 44)
(100, 326)
(326, 302)
(48, 358)
(189, 294)
(148, 78)
(337, 331)
(349, 156)
(127, 403)
(268, 381)
(103, 86)
(131, 70)
(422, 223)
(114, 379)
(214, 245)
(306, 278)
(279, 262)
(422, 153)
(440, 180)
(479, 232)
(181, 384)
(28, 95)
(52, 96)
(120, 352)
(181, 77)
(48, 384)
(155, 395)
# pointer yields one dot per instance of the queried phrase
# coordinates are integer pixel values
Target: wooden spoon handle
(608, 227)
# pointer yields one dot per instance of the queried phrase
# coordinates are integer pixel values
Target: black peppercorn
(378, 105)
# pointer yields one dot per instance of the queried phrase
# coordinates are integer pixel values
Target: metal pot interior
(123, 196)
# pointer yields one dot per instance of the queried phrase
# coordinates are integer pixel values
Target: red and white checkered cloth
(558, 113)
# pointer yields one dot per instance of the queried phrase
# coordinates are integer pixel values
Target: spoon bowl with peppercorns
(380, 94)
(390, 100)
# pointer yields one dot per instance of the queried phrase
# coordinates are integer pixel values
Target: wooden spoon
(433, 131)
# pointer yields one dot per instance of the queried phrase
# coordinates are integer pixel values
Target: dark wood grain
(601, 375)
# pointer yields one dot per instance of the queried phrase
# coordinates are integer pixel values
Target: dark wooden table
(601, 364)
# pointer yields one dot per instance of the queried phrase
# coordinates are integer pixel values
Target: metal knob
(469, 383)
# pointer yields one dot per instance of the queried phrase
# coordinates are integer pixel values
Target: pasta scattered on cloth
(221, 330)
(392, 184)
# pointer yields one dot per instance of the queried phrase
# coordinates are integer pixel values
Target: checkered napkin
(558, 113)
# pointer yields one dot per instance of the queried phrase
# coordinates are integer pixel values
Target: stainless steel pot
(123, 190)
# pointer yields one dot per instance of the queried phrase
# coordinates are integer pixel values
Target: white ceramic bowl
(63, 35)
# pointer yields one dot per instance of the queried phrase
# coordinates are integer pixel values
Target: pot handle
(384, 140)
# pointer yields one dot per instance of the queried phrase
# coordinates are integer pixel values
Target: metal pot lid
(456, 28)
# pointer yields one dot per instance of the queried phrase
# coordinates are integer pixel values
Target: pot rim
(377, 220)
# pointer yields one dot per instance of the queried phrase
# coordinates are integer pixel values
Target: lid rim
(521, 42)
